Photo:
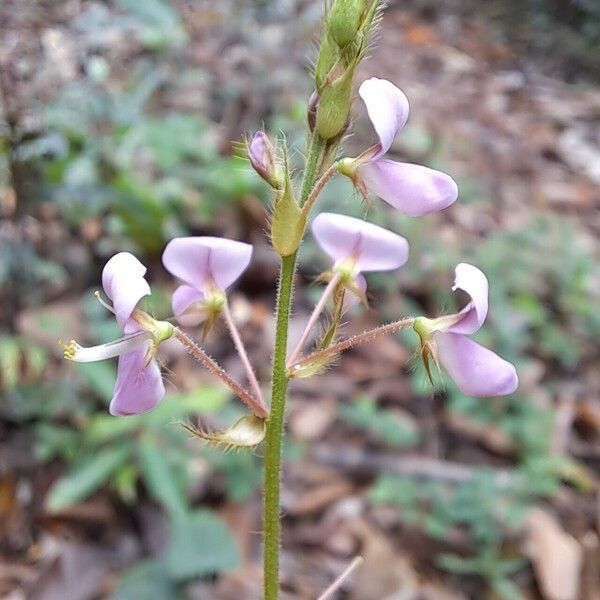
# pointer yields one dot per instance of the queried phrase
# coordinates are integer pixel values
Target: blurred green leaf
(87, 477)
(100, 377)
(241, 470)
(52, 441)
(387, 425)
(201, 544)
(160, 477)
(148, 580)
(10, 358)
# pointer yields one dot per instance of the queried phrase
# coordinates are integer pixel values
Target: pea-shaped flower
(207, 266)
(139, 386)
(476, 370)
(414, 190)
(357, 246)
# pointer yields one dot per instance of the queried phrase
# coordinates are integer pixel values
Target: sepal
(288, 221)
(303, 370)
(247, 432)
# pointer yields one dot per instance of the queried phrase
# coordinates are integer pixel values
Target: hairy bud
(345, 20)
(344, 42)
(261, 154)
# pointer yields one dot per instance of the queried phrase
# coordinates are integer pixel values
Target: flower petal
(476, 370)
(414, 190)
(473, 281)
(197, 260)
(387, 107)
(139, 387)
(183, 298)
(123, 282)
(372, 247)
(351, 299)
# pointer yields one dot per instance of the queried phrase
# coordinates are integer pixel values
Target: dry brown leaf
(311, 420)
(556, 556)
(385, 573)
(318, 498)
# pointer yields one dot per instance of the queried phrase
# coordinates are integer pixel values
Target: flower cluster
(208, 266)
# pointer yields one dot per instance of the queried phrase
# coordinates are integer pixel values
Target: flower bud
(345, 20)
(263, 159)
(344, 43)
(333, 112)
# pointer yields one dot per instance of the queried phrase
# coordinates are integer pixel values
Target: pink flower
(207, 266)
(357, 246)
(413, 189)
(139, 386)
(476, 370)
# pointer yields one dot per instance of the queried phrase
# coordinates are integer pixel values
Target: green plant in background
(106, 156)
(162, 457)
(485, 506)
(385, 425)
(206, 267)
(112, 161)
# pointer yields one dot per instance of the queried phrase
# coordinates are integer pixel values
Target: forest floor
(524, 146)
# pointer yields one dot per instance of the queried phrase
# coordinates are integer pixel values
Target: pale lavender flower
(357, 246)
(413, 189)
(139, 386)
(476, 370)
(207, 266)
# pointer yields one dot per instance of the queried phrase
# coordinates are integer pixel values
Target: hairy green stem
(274, 435)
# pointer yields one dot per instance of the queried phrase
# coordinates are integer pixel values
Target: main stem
(274, 435)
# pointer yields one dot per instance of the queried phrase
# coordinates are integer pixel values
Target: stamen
(73, 351)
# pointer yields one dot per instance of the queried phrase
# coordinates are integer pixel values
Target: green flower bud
(333, 112)
(345, 19)
(328, 57)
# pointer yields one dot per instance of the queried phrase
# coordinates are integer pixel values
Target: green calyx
(346, 269)
(214, 301)
(311, 368)
(424, 327)
(288, 221)
(160, 330)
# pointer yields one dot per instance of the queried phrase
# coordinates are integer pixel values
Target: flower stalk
(241, 350)
(259, 409)
(327, 292)
(320, 356)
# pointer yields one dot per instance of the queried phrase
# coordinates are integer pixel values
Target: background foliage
(116, 134)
